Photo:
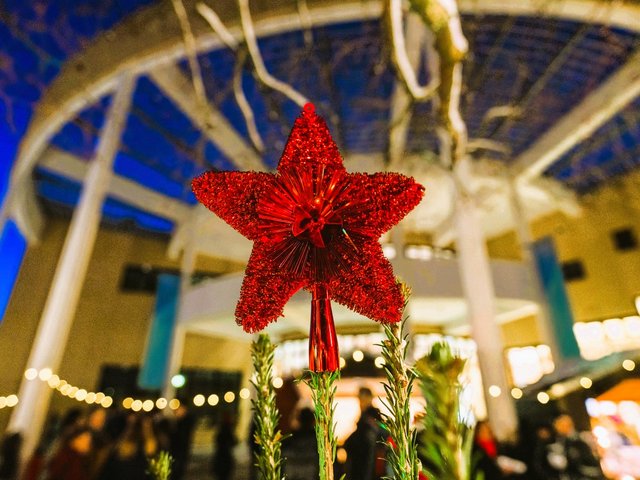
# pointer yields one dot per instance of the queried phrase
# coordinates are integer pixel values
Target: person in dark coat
(485, 452)
(181, 439)
(10, 456)
(224, 462)
(361, 446)
(300, 450)
(71, 461)
(540, 466)
(569, 456)
(129, 458)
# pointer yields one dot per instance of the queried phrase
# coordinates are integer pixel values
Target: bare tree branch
(230, 41)
(254, 52)
(400, 57)
(243, 103)
(192, 55)
(443, 19)
(218, 27)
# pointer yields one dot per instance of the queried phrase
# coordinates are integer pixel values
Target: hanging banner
(158, 351)
(12, 248)
(560, 315)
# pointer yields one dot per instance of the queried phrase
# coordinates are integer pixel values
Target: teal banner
(552, 280)
(157, 355)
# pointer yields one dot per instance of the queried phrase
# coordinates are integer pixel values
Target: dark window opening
(144, 278)
(624, 239)
(573, 270)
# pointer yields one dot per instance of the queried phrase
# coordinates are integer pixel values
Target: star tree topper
(314, 226)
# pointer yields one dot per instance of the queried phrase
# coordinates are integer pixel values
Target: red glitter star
(314, 226)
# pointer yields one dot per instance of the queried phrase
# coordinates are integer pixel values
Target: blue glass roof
(545, 66)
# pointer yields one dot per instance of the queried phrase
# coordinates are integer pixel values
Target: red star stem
(314, 226)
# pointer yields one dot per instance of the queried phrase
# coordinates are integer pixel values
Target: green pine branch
(403, 455)
(160, 466)
(323, 391)
(446, 438)
(266, 415)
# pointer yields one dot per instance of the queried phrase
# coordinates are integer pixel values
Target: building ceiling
(535, 68)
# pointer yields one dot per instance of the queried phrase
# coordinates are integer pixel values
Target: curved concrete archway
(152, 37)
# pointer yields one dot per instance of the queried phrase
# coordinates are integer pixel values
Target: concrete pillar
(187, 268)
(477, 284)
(525, 239)
(59, 311)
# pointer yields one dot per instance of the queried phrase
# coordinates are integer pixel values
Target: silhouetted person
(10, 456)
(485, 452)
(540, 466)
(129, 458)
(101, 443)
(300, 450)
(361, 444)
(181, 441)
(570, 457)
(224, 462)
(71, 461)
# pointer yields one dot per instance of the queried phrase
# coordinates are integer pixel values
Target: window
(573, 270)
(624, 239)
(144, 278)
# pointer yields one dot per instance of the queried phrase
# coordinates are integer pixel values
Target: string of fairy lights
(83, 395)
(199, 400)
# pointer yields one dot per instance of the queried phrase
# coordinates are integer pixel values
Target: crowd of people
(96, 446)
(93, 445)
(558, 452)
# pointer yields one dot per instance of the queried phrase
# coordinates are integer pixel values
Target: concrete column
(187, 268)
(477, 284)
(525, 239)
(51, 338)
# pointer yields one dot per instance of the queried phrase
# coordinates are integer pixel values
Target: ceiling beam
(120, 188)
(622, 88)
(207, 118)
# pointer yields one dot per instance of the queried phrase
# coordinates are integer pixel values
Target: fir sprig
(447, 437)
(160, 466)
(323, 391)
(266, 415)
(402, 456)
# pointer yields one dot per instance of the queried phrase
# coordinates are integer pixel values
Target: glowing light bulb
(198, 400)
(516, 393)
(585, 382)
(495, 391)
(213, 400)
(229, 397)
(161, 403)
(277, 383)
(543, 397)
(245, 393)
(31, 374)
(178, 381)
